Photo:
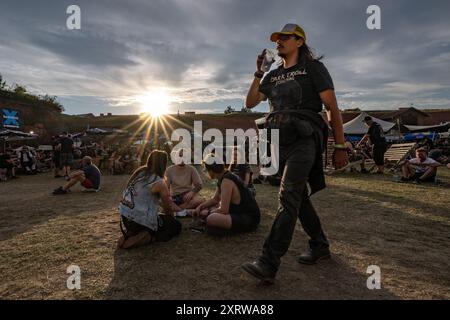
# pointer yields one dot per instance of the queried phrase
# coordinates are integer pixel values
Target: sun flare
(155, 103)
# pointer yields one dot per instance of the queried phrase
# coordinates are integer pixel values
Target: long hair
(306, 54)
(156, 164)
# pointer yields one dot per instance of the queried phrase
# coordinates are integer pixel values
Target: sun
(155, 103)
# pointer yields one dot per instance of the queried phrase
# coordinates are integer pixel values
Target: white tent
(425, 128)
(357, 125)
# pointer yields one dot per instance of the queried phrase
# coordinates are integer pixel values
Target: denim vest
(139, 204)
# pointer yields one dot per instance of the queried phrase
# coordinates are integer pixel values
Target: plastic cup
(269, 59)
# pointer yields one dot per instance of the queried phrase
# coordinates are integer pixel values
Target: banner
(10, 119)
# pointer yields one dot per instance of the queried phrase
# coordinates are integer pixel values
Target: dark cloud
(207, 49)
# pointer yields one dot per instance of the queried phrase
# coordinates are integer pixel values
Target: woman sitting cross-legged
(232, 208)
(139, 208)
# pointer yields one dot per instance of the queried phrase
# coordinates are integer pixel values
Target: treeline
(19, 93)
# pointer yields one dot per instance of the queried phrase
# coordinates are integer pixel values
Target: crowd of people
(23, 160)
(297, 91)
(233, 208)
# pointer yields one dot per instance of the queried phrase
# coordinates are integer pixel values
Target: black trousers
(296, 162)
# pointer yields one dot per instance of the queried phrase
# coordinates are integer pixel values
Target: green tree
(19, 90)
(2, 83)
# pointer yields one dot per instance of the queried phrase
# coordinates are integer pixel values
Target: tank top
(248, 204)
(139, 204)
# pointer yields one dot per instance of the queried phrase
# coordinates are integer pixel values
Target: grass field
(370, 220)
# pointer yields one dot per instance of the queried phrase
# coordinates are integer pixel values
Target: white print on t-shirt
(426, 161)
(287, 76)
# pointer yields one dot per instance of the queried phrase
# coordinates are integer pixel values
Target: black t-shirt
(92, 173)
(376, 134)
(66, 145)
(297, 87)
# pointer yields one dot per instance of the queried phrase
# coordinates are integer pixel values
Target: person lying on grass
(88, 176)
(420, 169)
(140, 206)
(232, 208)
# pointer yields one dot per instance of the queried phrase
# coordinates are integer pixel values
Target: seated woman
(232, 208)
(139, 208)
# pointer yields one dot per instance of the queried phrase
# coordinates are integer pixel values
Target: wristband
(259, 74)
(340, 146)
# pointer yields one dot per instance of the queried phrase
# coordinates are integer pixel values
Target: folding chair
(398, 153)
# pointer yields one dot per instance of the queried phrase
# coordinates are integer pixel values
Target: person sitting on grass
(420, 169)
(28, 160)
(233, 208)
(184, 184)
(88, 176)
(7, 164)
(139, 207)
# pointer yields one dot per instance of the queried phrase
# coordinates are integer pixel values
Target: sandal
(198, 225)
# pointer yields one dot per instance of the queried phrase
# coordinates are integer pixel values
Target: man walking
(297, 91)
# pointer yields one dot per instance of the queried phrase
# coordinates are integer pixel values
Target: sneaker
(312, 256)
(60, 190)
(198, 225)
(260, 271)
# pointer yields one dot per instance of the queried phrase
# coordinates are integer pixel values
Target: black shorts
(243, 222)
(178, 199)
(57, 160)
(417, 175)
(168, 227)
(378, 154)
(66, 159)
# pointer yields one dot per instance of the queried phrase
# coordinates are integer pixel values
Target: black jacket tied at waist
(306, 123)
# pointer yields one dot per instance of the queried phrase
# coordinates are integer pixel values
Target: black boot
(260, 271)
(312, 256)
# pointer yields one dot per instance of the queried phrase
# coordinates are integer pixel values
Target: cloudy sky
(202, 52)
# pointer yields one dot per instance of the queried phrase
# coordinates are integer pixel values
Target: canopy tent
(7, 135)
(357, 125)
(14, 135)
(420, 135)
(98, 131)
(438, 127)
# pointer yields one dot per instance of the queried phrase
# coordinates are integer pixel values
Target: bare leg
(219, 220)
(73, 181)
(142, 238)
(408, 171)
(207, 211)
(431, 172)
(194, 203)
